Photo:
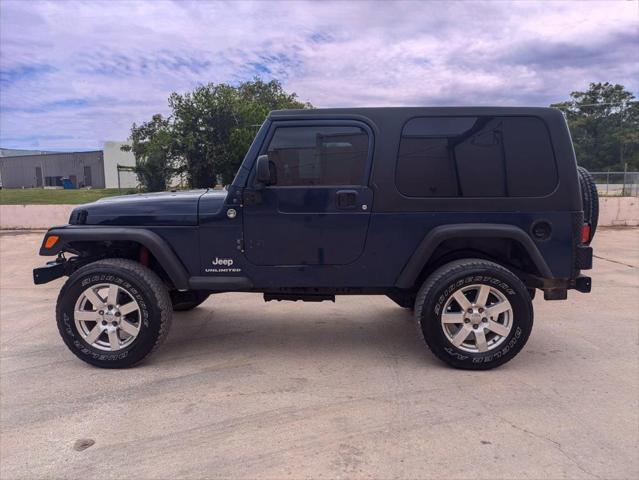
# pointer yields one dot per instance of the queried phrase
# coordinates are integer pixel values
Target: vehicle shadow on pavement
(214, 332)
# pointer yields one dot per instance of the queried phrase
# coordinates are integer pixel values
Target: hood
(160, 209)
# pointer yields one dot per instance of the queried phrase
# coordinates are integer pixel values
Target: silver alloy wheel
(477, 318)
(107, 317)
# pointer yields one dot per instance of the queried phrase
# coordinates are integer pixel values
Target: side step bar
(292, 297)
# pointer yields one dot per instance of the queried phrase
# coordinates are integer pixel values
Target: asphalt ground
(246, 389)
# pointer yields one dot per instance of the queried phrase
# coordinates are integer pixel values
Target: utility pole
(625, 172)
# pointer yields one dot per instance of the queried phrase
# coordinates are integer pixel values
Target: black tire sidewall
(150, 313)
(590, 200)
(586, 200)
(437, 296)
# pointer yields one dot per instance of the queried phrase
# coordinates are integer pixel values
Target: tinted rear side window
(475, 157)
(532, 171)
(318, 155)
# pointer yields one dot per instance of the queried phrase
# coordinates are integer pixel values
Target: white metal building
(47, 170)
(96, 169)
(114, 156)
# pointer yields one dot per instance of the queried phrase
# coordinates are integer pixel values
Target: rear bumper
(558, 289)
(583, 284)
(583, 257)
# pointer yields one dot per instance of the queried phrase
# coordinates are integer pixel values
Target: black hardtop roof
(407, 112)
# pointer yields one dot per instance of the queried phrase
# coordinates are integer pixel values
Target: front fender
(152, 241)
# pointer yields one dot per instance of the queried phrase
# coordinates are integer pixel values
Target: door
(317, 208)
(38, 173)
(87, 177)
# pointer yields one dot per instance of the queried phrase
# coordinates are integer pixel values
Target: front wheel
(474, 314)
(113, 313)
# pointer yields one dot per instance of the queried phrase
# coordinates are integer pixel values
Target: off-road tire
(443, 283)
(145, 287)
(188, 300)
(589, 199)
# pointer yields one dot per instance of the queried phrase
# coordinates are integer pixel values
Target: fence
(617, 184)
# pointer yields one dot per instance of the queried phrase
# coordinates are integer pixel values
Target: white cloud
(77, 73)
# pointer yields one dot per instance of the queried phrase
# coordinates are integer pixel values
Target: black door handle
(346, 199)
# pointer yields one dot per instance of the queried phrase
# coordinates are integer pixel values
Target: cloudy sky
(74, 74)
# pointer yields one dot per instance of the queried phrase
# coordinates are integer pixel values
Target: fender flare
(437, 235)
(156, 245)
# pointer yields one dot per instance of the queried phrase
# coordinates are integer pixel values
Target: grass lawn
(40, 196)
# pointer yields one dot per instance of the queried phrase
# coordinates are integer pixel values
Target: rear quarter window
(532, 170)
(484, 156)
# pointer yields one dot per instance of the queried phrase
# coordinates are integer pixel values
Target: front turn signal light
(51, 241)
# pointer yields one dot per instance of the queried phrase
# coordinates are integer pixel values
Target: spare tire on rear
(589, 200)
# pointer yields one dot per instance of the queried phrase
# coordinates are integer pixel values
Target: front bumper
(51, 271)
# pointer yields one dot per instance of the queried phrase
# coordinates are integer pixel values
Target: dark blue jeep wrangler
(460, 214)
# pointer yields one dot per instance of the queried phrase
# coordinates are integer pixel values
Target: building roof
(17, 152)
(32, 153)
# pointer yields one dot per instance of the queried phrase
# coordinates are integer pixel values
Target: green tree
(604, 124)
(153, 147)
(214, 125)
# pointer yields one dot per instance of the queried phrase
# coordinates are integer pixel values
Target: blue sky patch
(75, 73)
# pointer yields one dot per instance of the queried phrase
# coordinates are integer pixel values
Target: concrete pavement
(247, 389)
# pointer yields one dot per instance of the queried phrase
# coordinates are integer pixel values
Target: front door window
(319, 155)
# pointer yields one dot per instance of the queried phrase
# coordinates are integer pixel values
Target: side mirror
(263, 174)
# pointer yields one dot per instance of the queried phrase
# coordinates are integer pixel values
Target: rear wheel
(474, 314)
(113, 313)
